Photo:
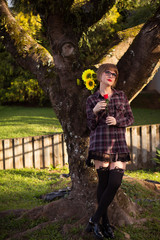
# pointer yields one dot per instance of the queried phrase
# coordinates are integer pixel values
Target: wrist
(95, 112)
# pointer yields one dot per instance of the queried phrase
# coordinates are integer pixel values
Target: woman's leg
(116, 173)
(103, 176)
(105, 196)
(114, 182)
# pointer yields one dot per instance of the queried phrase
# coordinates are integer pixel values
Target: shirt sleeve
(125, 118)
(92, 119)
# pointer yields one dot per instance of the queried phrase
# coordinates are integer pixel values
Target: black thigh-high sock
(103, 175)
(114, 182)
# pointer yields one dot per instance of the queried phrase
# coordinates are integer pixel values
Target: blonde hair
(105, 67)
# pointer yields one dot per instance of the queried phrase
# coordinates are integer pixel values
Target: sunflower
(90, 84)
(88, 74)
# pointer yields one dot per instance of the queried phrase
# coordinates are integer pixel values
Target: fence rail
(143, 141)
(38, 152)
(43, 151)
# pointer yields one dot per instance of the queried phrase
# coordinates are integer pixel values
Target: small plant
(51, 167)
(157, 158)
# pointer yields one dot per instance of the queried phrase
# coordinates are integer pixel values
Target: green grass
(27, 121)
(149, 231)
(145, 116)
(141, 194)
(150, 203)
(23, 188)
(144, 174)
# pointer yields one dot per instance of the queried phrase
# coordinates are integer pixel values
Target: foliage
(16, 84)
(30, 23)
(157, 159)
(23, 91)
(102, 36)
(138, 16)
(97, 38)
(129, 8)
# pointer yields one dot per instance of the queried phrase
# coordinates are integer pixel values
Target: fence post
(41, 151)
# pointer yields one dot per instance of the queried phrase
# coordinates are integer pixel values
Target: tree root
(15, 212)
(122, 211)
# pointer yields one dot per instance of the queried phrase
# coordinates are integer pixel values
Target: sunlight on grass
(18, 122)
(144, 174)
(22, 188)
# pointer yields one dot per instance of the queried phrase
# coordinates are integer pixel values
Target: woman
(107, 120)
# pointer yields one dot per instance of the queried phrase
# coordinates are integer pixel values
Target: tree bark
(139, 64)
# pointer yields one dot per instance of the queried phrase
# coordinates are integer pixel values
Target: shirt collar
(114, 92)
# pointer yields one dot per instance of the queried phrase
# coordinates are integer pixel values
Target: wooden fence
(33, 152)
(43, 151)
(143, 141)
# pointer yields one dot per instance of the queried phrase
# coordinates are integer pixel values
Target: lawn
(27, 121)
(23, 188)
(145, 116)
(17, 121)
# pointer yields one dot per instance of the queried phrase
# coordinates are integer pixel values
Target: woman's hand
(111, 120)
(99, 106)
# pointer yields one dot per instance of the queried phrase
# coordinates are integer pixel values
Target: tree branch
(92, 11)
(28, 53)
(141, 60)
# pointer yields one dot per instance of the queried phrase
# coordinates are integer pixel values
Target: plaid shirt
(105, 138)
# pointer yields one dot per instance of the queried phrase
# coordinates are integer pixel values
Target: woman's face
(108, 78)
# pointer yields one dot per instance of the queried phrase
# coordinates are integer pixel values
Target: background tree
(17, 84)
(57, 69)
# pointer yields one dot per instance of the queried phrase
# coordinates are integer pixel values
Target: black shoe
(95, 228)
(107, 231)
